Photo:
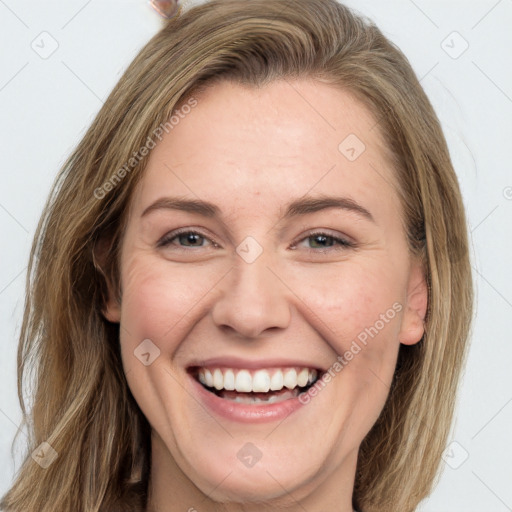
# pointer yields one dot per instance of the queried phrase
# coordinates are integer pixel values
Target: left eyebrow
(306, 205)
(301, 206)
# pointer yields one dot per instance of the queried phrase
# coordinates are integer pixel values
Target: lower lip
(245, 413)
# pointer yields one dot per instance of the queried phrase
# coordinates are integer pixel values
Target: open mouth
(263, 386)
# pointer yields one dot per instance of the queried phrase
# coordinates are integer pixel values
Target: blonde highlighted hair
(80, 402)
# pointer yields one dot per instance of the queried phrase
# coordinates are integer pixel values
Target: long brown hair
(81, 404)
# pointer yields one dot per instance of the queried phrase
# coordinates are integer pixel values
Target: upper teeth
(259, 381)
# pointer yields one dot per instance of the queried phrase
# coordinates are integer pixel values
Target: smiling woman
(268, 307)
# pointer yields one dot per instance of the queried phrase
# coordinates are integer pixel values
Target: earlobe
(413, 321)
(112, 311)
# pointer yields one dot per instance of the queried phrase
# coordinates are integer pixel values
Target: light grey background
(47, 103)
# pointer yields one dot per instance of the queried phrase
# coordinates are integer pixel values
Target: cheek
(158, 297)
(159, 303)
(351, 299)
(362, 307)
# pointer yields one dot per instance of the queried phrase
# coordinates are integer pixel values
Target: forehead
(283, 140)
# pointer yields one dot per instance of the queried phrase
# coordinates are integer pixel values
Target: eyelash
(343, 244)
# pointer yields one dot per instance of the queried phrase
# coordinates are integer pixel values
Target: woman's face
(265, 243)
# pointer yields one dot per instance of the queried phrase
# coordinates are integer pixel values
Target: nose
(252, 300)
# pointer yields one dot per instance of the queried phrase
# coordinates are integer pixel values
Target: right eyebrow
(204, 208)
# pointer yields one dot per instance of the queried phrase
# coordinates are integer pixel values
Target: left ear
(413, 327)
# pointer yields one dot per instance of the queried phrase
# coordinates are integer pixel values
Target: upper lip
(254, 364)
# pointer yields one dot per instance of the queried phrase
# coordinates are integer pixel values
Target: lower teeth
(259, 398)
